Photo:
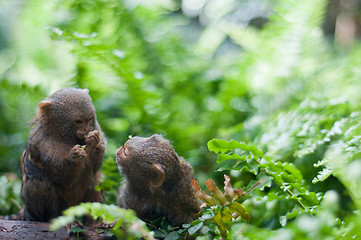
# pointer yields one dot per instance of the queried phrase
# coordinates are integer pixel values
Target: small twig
(299, 202)
(255, 185)
(16, 203)
(257, 161)
(161, 230)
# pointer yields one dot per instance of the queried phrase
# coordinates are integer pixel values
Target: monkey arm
(96, 143)
(59, 165)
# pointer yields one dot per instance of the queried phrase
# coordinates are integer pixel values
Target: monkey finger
(94, 139)
(96, 135)
(78, 155)
(91, 142)
(78, 152)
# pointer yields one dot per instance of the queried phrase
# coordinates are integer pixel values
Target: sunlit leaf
(195, 228)
(224, 157)
(226, 214)
(239, 209)
(218, 145)
(218, 220)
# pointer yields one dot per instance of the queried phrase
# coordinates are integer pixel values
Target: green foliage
(111, 181)
(222, 207)
(9, 194)
(342, 158)
(126, 224)
(287, 180)
(286, 94)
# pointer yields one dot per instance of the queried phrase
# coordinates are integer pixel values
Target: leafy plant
(284, 180)
(222, 207)
(125, 223)
(283, 86)
(342, 158)
(9, 194)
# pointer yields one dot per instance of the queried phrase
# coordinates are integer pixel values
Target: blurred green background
(275, 73)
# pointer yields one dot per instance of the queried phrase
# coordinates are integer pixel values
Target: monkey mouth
(121, 155)
(81, 135)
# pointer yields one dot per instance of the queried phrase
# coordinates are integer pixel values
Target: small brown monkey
(61, 163)
(158, 181)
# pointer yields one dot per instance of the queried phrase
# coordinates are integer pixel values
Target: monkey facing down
(158, 181)
(60, 166)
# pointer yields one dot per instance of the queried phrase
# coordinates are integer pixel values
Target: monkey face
(68, 113)
(83, 127)
(140, 151)
(133, 151)
(144, 160)
(122, 155)
(129, 151)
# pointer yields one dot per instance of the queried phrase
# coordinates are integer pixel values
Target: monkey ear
(158, 177)
(43, 107)
(44, 104)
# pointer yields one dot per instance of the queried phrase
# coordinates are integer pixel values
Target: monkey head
(68, 113)
(148, 161)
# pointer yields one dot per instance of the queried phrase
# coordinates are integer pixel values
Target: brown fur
(56, 172)
(158, 181)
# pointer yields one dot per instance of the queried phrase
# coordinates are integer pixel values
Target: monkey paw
(92, 140)
(78, 153)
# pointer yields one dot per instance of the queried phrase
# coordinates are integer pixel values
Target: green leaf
(206, 216)
(226, 167)
(291, 168)
(77, 230)
(224, 157)
(253, 166)
(226, 214)
(223, 146)
(239, 209)
(186, 225)
(310, 198)
(266, 181)
(272, 196)
(60, 222)
(194, 229)
(173, 236)
(255, 151)
(322, 175)
(218, 220)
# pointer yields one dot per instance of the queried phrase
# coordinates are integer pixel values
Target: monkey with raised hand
(60, 166)
(158, 181)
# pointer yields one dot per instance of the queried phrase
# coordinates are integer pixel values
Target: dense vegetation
(256, 90)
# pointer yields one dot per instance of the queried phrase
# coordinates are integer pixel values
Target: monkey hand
(92, 140)
(78, 154)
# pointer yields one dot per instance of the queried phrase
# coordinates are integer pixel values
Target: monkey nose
(118, 152)
(121, 152)
(121, 156)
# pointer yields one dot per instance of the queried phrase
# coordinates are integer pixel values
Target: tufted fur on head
(57, 113)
